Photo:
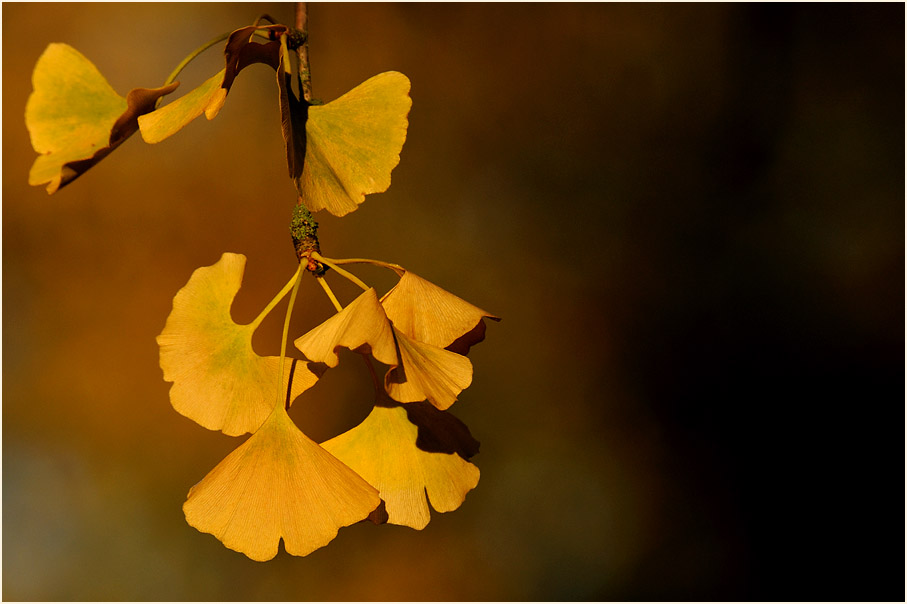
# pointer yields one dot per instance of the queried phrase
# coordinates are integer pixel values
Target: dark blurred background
(690, 217)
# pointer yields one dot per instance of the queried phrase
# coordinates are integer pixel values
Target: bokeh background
(691, 219)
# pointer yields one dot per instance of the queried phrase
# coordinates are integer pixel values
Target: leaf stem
(193, 55)
(280, 296)
(302, 51)
(394, 267)
(327, 289)
(341, 271)
(263, 17)
(286, 330)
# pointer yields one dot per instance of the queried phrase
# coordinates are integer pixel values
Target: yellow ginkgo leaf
(362, 326)
(352, 143)
(427, 372)
(75, 118)
(427, 313)
(218, 380)
(277, 485)
(382, 449)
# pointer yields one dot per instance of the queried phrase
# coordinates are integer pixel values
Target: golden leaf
(382, 449)
(361, 326)
(218, 380)
(430, 314)
(277, 485)
(427, 372)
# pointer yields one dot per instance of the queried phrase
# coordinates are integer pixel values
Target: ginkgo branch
(302, 51)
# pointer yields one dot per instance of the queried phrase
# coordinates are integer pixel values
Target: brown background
(690, 218)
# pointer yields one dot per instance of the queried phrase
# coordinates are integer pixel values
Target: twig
(302, 52)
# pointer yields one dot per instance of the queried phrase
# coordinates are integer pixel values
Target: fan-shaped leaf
(218, 380)
(427, 372)
(278, 484)
(427, 313)
(361, 326)
(75, 118)
(351, 144)
(382, 449)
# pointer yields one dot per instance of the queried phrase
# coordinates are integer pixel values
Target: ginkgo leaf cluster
(313, 490)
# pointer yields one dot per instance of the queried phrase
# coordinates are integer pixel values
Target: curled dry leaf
(75, 118)
(383, 450)
(218, 379)
(208, 98)
(277, 485)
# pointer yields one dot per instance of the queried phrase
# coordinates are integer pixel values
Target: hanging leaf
(418, 371)
(75, 118)
(277, 485)
(361, 327)
(218, 379)
(383, 450)
(427, 372)
(208, 98)
(430, 314)
(342, 151)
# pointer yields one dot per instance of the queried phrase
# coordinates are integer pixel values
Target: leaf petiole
(280, 296)
(340, 271)
(394, 267)
(191, 56)
(327, 289)
(286, 330)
